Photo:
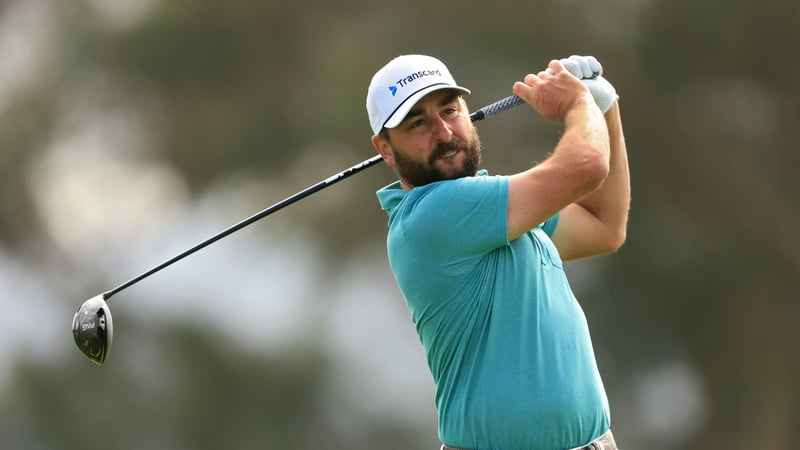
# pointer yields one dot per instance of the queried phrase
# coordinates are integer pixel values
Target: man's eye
(416, 123)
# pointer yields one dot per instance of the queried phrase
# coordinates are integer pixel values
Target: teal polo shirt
(506, 340)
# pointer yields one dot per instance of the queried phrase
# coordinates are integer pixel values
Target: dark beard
(419, 174)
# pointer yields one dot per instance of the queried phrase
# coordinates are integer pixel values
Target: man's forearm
(611, 201)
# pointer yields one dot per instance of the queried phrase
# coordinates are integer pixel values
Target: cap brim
(401, 112)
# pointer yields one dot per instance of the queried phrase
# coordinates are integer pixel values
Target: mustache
(446, 147)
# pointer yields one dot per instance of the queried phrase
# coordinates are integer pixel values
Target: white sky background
(117, 210)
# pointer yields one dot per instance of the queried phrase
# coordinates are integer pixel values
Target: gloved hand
(589, 71)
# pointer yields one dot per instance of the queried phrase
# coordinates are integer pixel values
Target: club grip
(496, 107)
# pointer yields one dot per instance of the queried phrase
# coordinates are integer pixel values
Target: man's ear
(383, 148)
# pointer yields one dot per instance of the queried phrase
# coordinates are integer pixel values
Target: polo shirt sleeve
(460, 219)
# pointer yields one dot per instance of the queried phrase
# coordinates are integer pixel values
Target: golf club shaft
(487, 111)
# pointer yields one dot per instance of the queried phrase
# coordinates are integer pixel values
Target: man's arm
(577, 166)
(597, 223)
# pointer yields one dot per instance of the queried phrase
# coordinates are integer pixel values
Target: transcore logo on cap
(393, 89)
(420, 74)
(414, 76)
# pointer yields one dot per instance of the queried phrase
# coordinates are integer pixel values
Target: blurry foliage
(276, 91)
(205, 396)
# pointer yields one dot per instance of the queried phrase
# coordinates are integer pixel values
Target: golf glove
(589, 71)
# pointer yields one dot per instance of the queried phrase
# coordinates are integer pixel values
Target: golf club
(92, 327)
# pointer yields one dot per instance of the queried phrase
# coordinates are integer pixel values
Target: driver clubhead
(92, 330)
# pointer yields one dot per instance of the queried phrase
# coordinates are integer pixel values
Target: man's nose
(442, 129)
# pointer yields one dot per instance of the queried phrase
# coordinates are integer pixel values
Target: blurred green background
(132, 129)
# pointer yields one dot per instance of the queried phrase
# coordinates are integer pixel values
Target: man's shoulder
(445, 190)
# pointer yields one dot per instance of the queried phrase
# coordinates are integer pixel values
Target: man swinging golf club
(92, 325)
(478, 258)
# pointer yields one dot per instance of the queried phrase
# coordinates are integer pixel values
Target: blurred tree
(190, 389)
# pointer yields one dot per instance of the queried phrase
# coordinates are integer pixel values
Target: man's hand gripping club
(589, 70)
(553, 92)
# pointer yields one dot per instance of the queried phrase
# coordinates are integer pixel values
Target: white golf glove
(589, 71)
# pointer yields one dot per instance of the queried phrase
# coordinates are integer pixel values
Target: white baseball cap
(400, 84)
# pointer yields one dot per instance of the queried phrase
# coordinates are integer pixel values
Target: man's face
(436, 141)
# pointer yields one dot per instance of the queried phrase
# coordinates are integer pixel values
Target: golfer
(479, 258)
